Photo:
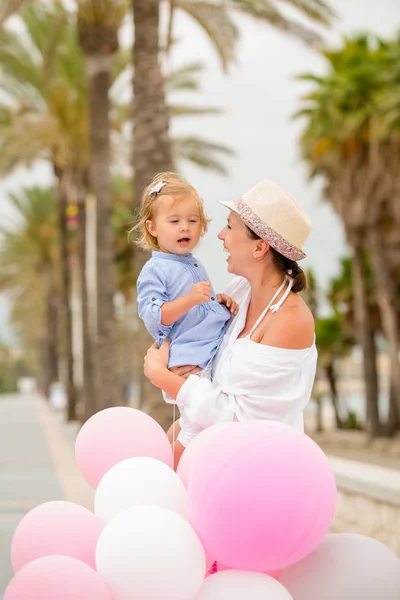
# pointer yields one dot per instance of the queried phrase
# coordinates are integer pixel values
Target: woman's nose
(221, 235)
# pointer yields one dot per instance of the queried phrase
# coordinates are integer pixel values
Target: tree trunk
(393, 422)
(66, 316)
(108, 384)
(89, 389)
(152, 149)
(50, 350)
(367, 342)
(127, 343)
(387, 301)
(331, 377)
(152, 153)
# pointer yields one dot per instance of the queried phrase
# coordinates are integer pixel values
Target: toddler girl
(175, 296)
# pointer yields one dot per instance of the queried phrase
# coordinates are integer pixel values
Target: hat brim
(229, 205)
(290, 251)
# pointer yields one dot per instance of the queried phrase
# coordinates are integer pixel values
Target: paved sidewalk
(36, 465)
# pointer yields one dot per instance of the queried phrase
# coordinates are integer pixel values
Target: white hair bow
(158, 187)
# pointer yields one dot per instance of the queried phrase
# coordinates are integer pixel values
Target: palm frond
(316, 10)
(177, 110)
(19, 62)
(184, 78)
(266, 10)
(219, 26)
(201, 152)
(9, 8)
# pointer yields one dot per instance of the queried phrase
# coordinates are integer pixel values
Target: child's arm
(152, 294)
(174, 310)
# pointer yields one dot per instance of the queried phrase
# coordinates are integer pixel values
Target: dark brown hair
(281, 263)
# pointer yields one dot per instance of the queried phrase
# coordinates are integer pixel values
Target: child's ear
(151, 228)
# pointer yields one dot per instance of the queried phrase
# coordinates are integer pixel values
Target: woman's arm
(156, 369)
(210, 405)
(264, 384)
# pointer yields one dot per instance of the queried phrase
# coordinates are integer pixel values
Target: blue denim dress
(196, 336)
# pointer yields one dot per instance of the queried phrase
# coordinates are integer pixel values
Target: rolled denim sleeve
(151, 295)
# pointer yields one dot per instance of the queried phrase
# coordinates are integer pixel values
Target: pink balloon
(261, 496)
(57, 578)
(196, 446)
(61, 528)
(114, 434)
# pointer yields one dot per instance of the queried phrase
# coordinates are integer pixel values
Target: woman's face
(239, 244)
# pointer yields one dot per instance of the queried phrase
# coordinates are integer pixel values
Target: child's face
(176, 224)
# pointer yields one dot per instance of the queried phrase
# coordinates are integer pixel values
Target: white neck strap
(275, 307)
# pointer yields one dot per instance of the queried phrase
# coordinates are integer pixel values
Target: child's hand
(200, 292)
(229, 303)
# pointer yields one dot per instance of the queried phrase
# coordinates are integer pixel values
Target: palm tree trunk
(152, 149)
(331, 378)
(108, 385)
(89, 389)
(367, 342)
(50, 349)
(387, 302)
(393, 422)
(69, 383)
(127, 360)
(152, 153)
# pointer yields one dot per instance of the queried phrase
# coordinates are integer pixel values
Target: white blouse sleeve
(205, 404)
(260, 382)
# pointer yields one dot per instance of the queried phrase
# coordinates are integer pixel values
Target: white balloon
(345, 566)
(238, 585)
(139, 481)
(150, 553)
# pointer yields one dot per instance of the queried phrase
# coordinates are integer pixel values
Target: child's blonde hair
(176, 187)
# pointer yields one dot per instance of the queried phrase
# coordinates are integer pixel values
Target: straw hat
(275, 216)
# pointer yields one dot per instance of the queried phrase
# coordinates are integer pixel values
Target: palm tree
(215, 17)
(50, 99)
(342, 141)
(98, 24)
(341, 295)
(29, 270)
(44, 115)
(333, 344)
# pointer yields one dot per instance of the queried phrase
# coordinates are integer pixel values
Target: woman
(265, 367)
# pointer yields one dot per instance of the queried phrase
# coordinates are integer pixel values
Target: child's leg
(174, 431)
(178, 449)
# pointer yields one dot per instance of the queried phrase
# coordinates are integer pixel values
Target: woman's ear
(261, 249)
(151, 228)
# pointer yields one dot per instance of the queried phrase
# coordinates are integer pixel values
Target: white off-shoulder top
(250, 381)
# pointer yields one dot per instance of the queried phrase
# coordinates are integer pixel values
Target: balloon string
(173, 432)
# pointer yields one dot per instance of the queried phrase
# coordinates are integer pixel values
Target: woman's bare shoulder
(292, 327)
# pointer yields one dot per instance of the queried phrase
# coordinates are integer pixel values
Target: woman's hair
(290, 267)
(176, 187)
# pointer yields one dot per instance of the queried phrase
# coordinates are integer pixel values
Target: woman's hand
(186, 370)
(229, 303)
(156, 360)
(156, 369)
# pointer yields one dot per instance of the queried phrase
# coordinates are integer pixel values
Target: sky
(259, 95)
